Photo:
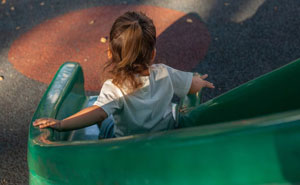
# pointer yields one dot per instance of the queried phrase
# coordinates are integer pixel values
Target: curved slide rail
(277, 91)
(260, 147)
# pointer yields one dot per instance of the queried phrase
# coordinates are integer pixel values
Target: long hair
(132, 41)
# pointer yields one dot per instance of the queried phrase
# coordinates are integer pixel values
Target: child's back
(149, 107)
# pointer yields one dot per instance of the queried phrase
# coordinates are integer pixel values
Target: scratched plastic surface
(250, 135)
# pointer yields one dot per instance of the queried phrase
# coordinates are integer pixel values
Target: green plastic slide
(249, 135)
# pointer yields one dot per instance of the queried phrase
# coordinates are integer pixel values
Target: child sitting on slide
(138, 97)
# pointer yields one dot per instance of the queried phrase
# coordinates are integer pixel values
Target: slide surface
(249, 135)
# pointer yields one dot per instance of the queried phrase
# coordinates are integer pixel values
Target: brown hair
(132, 41)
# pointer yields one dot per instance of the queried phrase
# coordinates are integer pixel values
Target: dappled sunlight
(204, 8)
(246, 11)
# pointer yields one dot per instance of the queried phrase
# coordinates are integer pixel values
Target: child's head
(131, 47)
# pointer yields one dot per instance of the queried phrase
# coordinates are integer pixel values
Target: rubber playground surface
(232, 41)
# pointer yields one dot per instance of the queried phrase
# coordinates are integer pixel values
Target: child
(138, 97)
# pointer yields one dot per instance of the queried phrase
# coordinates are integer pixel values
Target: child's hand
(47, 122)
(206, 83)
(198, 83)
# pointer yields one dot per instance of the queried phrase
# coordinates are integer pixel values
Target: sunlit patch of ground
(182, 42)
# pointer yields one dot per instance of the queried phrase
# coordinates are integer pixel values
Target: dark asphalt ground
(248, 38)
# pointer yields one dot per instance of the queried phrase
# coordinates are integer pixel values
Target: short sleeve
(110, 98)
(181, 81)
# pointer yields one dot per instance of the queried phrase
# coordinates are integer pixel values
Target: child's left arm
(198, 83)
(83, 118)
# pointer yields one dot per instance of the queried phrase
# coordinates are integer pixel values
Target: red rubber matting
(182, 42)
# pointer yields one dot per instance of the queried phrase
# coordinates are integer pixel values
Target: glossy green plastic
(250, 135)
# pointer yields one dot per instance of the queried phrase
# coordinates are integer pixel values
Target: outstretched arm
(83, 118)
(198, 83)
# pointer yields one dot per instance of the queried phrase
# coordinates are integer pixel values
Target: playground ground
(232, 41)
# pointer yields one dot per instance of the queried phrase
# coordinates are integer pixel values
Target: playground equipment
(249, 135)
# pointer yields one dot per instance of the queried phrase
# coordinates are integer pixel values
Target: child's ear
(109, 54)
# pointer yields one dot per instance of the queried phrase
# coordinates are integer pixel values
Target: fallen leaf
(189, 20)
(3, 1)
(12, 8)
(42, 3)
(1, 78)
(103, 40)
(92, 22)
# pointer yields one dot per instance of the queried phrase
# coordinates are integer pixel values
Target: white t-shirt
(147, 109)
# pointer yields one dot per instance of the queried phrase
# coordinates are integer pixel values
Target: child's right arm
(83, 118)
(198, 83)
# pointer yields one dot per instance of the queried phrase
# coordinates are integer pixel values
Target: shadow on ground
(241, 51)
